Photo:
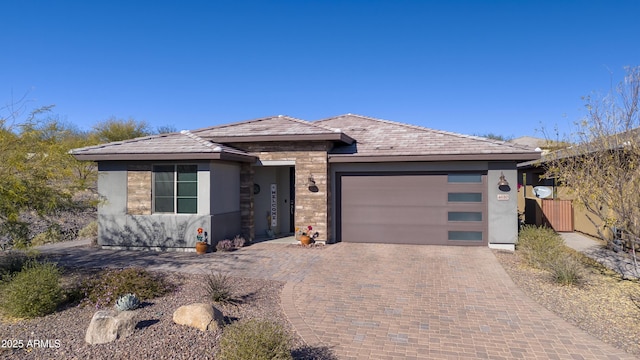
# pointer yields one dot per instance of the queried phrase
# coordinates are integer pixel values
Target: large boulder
(108, 325)
(200, 316)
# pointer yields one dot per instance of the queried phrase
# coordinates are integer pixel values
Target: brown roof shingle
(171, 146)
(274, 128)
(376, 138)
(356, 138)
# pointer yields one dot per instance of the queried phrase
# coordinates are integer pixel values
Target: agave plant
(127, 302)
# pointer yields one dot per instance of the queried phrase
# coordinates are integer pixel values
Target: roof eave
(335, 158)
(166, 156)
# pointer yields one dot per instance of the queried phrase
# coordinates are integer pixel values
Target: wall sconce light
(311, 183)
(503, 184)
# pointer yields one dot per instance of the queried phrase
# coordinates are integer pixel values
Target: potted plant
(201, 245)
(307, 236)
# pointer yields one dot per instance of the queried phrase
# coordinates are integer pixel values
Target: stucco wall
(120, 223)
(158, 231)
(225, 187)
(583, 221)
(225, 200)
(502, 206)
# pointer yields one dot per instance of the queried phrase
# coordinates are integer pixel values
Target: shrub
(566, 270)
(254, 339)
(225, 245)
(34, 291)
(105, 289)
(89, 231)
(218, 287)
(238, 242)
(11, 262)
(230, 245)
(51, 235)
(541, 246)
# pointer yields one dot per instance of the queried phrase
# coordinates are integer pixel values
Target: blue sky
(474, 67)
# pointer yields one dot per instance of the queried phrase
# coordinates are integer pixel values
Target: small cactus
(127, 302)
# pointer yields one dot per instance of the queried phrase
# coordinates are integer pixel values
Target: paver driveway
(376, 301)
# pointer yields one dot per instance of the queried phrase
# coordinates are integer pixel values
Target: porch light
(503, 184)
(311, 184)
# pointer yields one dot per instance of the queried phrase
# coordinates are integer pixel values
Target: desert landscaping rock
(454, 295)
(109, 325)
(200, 316)
(156, 336)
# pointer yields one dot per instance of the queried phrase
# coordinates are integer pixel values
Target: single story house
(352, 178)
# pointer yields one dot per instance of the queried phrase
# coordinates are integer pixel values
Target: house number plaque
(503, 197)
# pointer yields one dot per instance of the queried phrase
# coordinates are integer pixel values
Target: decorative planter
(305, 240)
(201, 247)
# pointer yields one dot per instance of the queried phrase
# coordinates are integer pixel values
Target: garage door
(435, 209)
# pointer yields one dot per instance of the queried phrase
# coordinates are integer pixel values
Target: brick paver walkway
(375, 301)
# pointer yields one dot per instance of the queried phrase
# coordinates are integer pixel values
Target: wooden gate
(558, 214)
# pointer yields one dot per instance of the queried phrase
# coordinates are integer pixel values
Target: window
(465, 235)
(464, 178)
(175, 189)
(464, 216)
(464, 197)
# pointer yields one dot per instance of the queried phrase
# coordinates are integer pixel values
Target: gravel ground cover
(156, 335)
(603, 304)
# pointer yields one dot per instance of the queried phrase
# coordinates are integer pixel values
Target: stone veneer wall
(312, 208)
(139, 189)
(246, 201)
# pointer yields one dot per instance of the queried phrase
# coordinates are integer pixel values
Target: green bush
(107, 287)
(89, 231)
(254, 339)
(218, 287)
(34, 291)
(541, 246)
(52, 235)
(11, 262)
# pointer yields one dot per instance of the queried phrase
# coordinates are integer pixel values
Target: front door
(273, 198)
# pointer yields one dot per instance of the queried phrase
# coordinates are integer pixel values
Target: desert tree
(115, 129)
(601, 170)
(494, 136)
(166, 129)
(36, 172)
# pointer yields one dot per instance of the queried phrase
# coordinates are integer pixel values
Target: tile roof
(356, 138)
(612, 142)
(163, 146)
(270, 129)
(376, 138)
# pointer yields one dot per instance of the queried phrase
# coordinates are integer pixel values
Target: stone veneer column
(246, 201)
(310, 160)
(139, 190)
(312, 207)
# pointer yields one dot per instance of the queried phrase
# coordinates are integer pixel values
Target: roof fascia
(166, 156)
(435, 157)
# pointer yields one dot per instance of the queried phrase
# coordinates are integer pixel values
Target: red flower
(200, 230)
(309, 228)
